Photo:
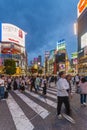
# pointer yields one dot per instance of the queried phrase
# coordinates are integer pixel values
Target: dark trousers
(82, 98)
(60, 101)
(2, 92)
(44, 89)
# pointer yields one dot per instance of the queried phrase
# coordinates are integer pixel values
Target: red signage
(20, 34)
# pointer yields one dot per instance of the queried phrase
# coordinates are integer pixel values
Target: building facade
(12, 46)
(82, 37)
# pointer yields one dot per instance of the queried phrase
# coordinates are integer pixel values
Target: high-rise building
(40, 60)
(82, 36)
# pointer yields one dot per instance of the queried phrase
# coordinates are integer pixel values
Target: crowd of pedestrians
(64, 83)
(32, 83)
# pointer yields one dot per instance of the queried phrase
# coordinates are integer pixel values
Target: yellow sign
(18, 70)
(81, 6)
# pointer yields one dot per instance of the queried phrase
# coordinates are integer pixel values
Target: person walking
(83, 87)
(37, 82)
(62, 94)
(71, 86)
(44, 84)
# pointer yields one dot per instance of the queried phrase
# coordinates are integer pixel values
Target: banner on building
(74, 55)
(61, 45)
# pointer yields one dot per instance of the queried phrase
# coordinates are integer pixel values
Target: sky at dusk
(45, 21)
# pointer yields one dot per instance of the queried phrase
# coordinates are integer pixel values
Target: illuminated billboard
(60, 57)
(81, 6)
(61, 67)
(11, 33)
(74, 55)
(84, 40)
(75, 61)
(61, 45)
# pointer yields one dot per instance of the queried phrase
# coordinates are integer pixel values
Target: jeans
(2, 92)
(82, 98)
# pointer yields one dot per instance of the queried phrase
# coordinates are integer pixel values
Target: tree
(10, 66)
(40, 71)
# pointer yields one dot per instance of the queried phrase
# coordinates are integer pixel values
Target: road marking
(19, 118)
(37, 108)
(50, 95)
(52, 89)
(47, 101)
(49, 91)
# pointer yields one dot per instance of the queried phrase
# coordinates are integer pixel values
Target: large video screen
(84, 40)
(60, 57)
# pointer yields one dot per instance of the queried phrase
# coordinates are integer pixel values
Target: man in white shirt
(62, 94)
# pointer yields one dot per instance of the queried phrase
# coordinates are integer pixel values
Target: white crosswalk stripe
(50, 95)
(47, 101)
(50, 91)
(19, 118)
(37, 108)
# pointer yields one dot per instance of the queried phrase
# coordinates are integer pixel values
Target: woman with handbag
(83, 86)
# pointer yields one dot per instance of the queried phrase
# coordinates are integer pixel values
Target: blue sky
(45, 21)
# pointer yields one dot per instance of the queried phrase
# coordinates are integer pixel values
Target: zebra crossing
(20, 119)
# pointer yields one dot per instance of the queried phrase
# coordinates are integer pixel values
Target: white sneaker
(59, 116)
(3, 99)
(84, 104)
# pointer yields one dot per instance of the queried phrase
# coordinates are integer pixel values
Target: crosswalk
(20, 119)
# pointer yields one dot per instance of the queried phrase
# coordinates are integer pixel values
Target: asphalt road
(32, 111)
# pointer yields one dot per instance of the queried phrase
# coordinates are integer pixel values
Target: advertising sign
(61, 57)
(11, 33)
(81, 6)
(84, 40)
(75, 61)
(74, 55)
(61, 45)
(61, 66)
